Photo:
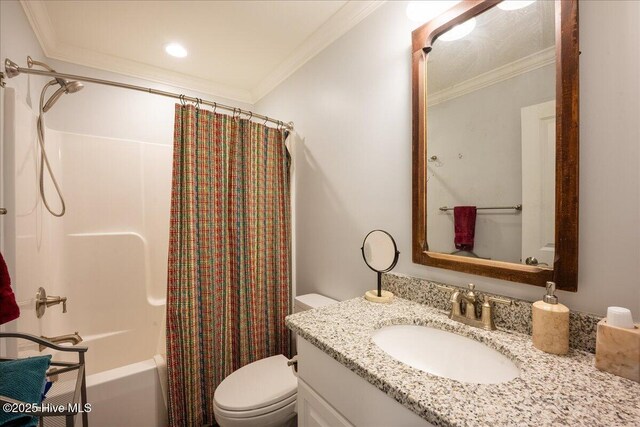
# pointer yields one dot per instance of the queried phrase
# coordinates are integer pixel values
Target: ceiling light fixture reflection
(175, 49)
(459, 31)
(425, 11)
(514, 4)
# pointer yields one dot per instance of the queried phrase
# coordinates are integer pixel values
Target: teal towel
(22, 380)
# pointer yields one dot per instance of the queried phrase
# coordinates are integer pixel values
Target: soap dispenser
(551, 323)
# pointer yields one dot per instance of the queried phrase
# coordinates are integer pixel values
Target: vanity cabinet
(314, 411)
(329, 394)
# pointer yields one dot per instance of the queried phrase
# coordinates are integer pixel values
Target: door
(538, 182)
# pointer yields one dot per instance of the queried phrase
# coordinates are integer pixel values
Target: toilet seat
(256, 412)
(259, 388)
(284, 416)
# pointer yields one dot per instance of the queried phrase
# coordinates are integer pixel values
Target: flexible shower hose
(44, 160)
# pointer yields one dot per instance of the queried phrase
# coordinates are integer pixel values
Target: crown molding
(337, 25)
(40, 23)
(347, 17)
(523, 65)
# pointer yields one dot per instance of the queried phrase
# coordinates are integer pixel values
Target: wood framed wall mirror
(495, 141)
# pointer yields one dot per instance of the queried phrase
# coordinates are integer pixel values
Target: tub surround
(517, 317)
(551, 390)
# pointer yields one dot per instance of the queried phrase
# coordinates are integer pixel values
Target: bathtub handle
(43, 301)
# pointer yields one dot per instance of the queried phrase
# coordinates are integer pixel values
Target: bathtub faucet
(74, 339)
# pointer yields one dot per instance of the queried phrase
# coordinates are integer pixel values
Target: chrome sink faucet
(464, 305)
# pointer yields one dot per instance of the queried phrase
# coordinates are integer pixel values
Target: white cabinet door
(314, 411)
(539, 181)
(345, 394)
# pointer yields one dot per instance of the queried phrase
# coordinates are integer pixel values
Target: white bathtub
(128, 396)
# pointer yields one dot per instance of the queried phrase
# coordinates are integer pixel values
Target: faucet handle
(487, 311)
(488, 299)
(454, 300)
(455, 292)
(43, 301)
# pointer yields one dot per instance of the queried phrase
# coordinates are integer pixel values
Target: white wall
(351, 106)
(477, 139)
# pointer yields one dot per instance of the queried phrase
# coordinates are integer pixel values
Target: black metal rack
(79, 397)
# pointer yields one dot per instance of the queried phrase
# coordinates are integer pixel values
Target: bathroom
(339, 80)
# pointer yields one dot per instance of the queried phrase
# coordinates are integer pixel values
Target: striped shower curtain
(229, 281)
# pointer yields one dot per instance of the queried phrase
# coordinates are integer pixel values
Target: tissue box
(618, 350)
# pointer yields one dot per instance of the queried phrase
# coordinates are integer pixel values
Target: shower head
(65, 87)
(74, 86)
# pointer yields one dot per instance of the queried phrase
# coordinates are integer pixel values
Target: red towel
(464, 219)
(8, 308)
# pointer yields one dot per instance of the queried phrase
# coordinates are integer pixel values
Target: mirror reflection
(379, 251)
(491, 136)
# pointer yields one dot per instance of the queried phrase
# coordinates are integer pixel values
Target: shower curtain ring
(250, 115)
(266, 119)
(215, 107)
(182, 100)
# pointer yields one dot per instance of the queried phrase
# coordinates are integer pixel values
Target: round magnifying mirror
(380, 253)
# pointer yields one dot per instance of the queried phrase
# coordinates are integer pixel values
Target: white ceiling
(237, 49)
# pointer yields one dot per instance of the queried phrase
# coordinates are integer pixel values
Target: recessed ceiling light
(514, 4)
(424, 11)
(459, 31)
(175, 49)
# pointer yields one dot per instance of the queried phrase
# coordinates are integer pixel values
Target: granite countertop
(551, 390)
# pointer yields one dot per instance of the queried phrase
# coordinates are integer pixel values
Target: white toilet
(263, 393)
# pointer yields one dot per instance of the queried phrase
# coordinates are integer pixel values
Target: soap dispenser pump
(550, 323)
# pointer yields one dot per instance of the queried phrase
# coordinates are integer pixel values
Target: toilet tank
(309, 301)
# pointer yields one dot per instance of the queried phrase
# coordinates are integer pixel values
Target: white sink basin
(445, 354)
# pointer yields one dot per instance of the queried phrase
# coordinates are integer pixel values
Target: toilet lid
(256, 385)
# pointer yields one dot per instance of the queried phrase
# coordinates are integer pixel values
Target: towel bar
(516, 207)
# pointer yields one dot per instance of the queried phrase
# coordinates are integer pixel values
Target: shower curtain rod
(12, 70)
